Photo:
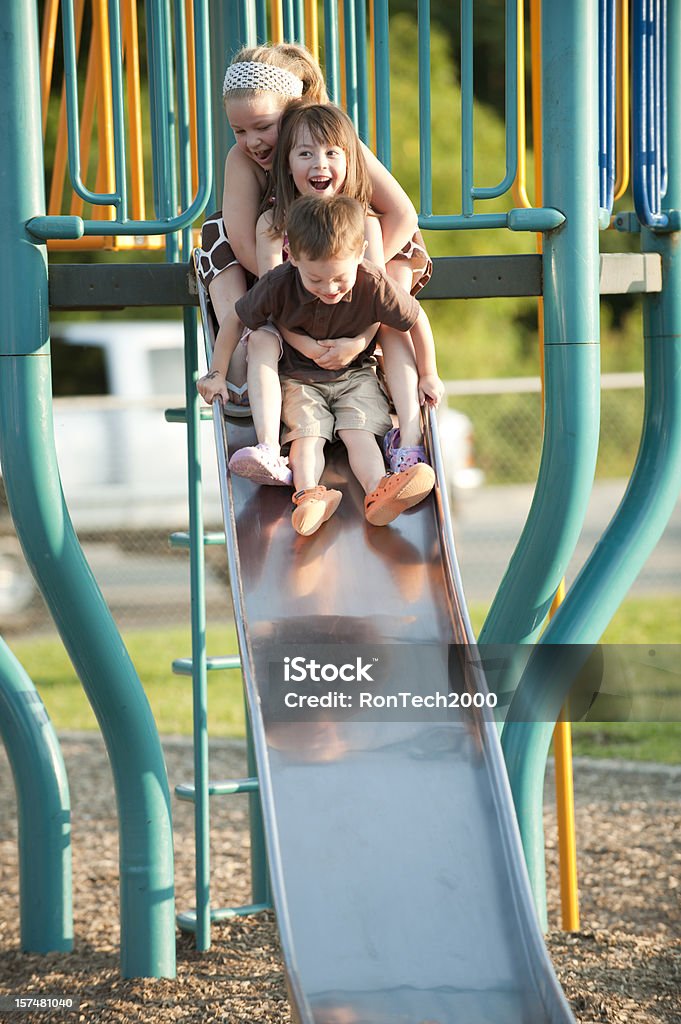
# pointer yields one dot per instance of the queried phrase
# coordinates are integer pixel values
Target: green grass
(639, 621)
(152, 652)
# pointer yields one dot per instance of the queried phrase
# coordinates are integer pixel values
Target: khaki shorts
(322, 409)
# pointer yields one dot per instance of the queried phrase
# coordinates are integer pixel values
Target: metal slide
(396, 867)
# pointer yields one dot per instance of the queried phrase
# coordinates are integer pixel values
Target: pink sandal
(262, 464)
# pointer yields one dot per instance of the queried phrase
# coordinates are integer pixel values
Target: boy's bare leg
(306, 459)
(314, 504)
(366, 460)
(264, 389)
(224, 290)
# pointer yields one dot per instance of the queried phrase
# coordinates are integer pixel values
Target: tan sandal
(313, 507)
(398, 491)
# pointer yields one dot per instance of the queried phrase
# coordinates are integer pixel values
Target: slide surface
(396, 866)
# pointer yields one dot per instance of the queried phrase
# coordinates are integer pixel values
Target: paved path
(489, 521)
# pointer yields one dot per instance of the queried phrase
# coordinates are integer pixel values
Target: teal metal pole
(43, 526)
(43, 810)
(198, 623)
(635, 528)
(571, 316)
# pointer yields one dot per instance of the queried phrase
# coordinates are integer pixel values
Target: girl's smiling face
(255, 123)
(317, 168)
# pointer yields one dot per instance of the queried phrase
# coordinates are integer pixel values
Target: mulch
(622, 967)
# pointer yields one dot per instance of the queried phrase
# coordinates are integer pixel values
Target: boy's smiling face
(329, 279)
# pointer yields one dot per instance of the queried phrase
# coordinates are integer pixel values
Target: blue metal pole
(635, 528)
(425, 127)
(44, 812)
(633, 531)
(382, 82)
(331, 51)
(43, 526)
(571, 311)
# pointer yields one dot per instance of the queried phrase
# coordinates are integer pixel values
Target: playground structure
(569, 286)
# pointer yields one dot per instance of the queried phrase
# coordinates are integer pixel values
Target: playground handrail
(163, 150)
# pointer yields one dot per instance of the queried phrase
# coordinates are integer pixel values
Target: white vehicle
(123, 466)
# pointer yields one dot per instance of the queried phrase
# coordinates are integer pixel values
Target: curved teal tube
(571, 317)
(43, 811)
(631, 535)
(44, 528)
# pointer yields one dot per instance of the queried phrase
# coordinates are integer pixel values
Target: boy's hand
(212, 386)
(339, 352)
(431, 389)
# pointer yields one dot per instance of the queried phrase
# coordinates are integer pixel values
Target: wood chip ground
(622, 967)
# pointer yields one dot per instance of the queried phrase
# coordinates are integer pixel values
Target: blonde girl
(258, 85)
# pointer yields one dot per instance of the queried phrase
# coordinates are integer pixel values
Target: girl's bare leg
(306, 459)
(399, 363)
(224, 290)
(264, 389)
(366, 460)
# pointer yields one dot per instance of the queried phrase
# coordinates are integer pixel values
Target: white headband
(253, 74)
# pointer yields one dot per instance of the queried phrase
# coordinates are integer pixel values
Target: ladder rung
(183, 666)
(180, 415)
(187, 920)
(181, 539)
(228, 787)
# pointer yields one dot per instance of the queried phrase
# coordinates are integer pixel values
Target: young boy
(324, 290)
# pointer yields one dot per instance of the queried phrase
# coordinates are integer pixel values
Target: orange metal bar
(134, 93)
(47, 43)
(277, 21)
(622, 148)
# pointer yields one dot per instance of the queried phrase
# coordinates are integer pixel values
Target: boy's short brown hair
(320, 229)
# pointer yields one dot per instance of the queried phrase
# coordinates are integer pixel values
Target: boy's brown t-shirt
(279, 296)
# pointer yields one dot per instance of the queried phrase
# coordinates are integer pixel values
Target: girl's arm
(431, 388)
(374, 241)
(398, 216)
(268, 249)
(243, 188)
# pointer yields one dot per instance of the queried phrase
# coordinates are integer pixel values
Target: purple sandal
(261, 464)
(398, 459)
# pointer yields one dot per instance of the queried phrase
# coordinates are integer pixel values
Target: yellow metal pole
(47, 43)
(105, 181)
(312, 27)
(562, 736)
(277, 19)
(622, 107)
(372, 77)
(87, 117)
(341, 50)
(61, 148)
(191, 74)
(134, 93)
(519, 187)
